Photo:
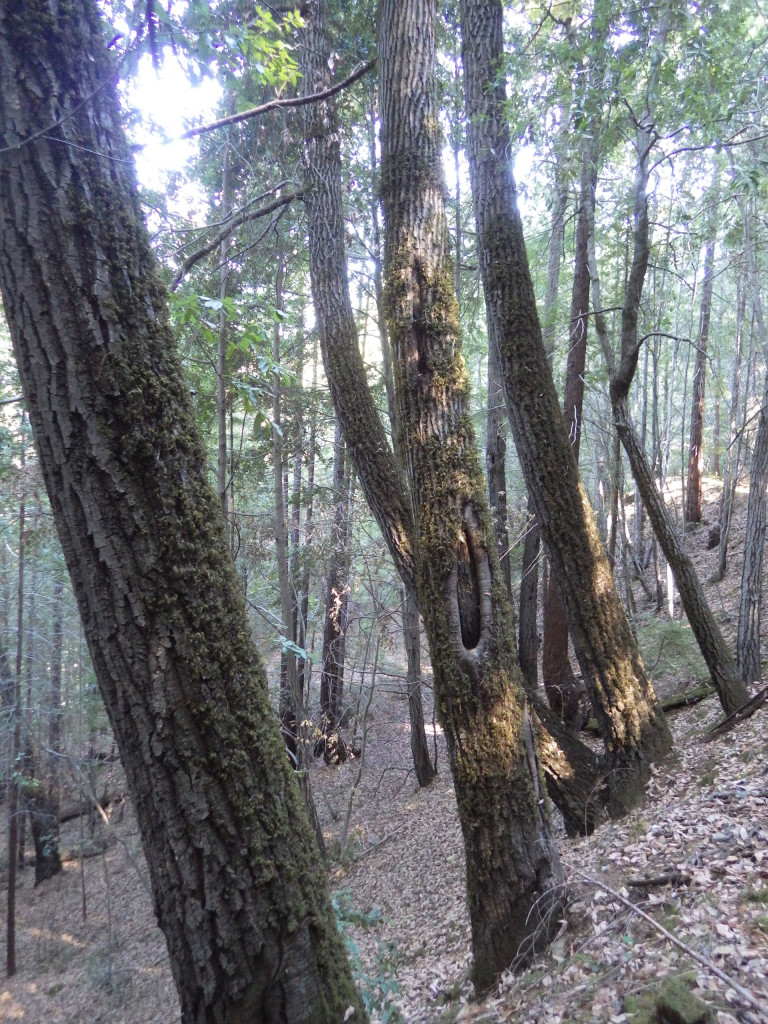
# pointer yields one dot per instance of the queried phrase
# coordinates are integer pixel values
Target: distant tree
(239, 888)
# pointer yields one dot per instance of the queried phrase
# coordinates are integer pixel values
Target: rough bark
(528, 628)
(632, 725)
(425, 769)
(238, 885)
(513, 871)
(363, 430)
(564, 692)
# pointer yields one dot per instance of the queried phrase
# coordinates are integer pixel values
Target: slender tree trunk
(353, 403)
(290, 710)
(748, 644)
(14, 812)
(309, 531)
(696, 437)
(423, 766)
(529, 602)
(221, 817)
(496, 463)
(713, 647)
(336, 603)
(750, 606)
(607, 652)
(43, 804)
(513, 871)
(733, 455)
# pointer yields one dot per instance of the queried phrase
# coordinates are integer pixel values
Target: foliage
(380, 986)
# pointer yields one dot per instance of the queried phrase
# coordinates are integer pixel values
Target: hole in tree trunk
(467, 595)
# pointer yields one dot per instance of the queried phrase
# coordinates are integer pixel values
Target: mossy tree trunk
(378, 466)
(562, 688)
(631, 723)
(239, 889)
(496, 463)
(513, 870)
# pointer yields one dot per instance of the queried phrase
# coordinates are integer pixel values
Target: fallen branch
(671, 878)
(741, 992)
(744, 712)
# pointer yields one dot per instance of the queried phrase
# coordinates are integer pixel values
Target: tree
(631, 722)
(513, 870)
(238, 885)
(714, 649)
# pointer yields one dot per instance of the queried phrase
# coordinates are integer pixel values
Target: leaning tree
(239, 888)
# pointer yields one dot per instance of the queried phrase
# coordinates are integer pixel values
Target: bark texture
(563, 690)
(379, 468)
(631, 723)
(363, 430)
(512, 864)
(239, 889)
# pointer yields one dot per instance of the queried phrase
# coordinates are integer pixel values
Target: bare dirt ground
(399, 885)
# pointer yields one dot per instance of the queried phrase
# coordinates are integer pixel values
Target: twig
(743, 993)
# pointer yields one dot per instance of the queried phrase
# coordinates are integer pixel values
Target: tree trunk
(223, 340)
(696, 437)
(290, 698)
(336, 603)
(528, 647)
(748, 648)
(14, 814)
(425, 770)
(563, 690)
(496, 463)
(513, 870)
(748, 644)
(607, 652)
(353, 403)
(239, 889)
(713, 647)
(528, 651)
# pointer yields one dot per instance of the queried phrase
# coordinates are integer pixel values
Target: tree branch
(228, 227)
(276, 104)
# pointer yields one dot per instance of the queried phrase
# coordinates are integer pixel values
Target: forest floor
(89, 951)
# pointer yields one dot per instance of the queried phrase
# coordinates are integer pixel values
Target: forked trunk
(513, 870)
